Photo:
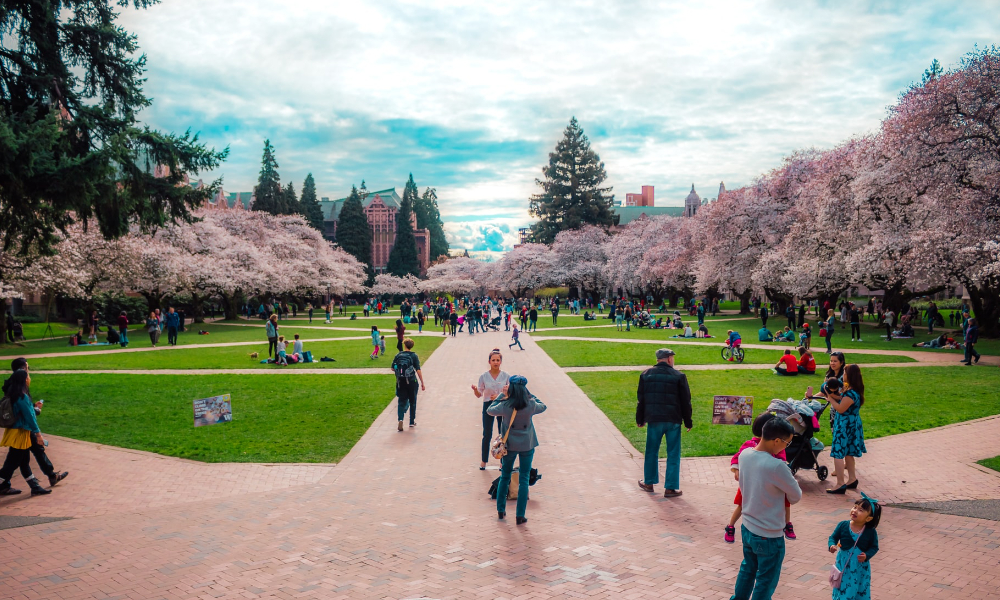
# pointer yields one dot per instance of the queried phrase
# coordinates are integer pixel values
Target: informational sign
(732, 410)
(209, 411)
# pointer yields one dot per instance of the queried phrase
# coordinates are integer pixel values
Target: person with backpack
(517, 406)
(17, 416)
(36, 448)
(271, 329)
(406, 366)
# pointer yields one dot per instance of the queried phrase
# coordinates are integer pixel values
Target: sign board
(732, 410)
(209, 411)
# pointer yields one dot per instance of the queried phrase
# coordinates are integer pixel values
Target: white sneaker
(859, 339)
(852, 339)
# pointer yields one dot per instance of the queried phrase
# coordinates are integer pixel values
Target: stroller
(494, 324)
(800, 453)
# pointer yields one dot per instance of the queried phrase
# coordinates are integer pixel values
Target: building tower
(691, 203)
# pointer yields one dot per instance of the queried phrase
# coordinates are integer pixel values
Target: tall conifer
(353, 233)
(268, 190)
(429, 218)
(309, 205)
(403, 259)
(289, 201)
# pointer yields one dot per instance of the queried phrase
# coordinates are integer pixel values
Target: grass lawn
(300, 418)
(138, 338)
(993, 463)
(348, 354)
(569, 353)
(896, 401)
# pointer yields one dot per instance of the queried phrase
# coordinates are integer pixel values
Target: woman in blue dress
(848, 433)
(856, 542)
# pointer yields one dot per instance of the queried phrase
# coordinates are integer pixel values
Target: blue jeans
(407, 400)
(761, 566)
(531, 325)
(829, 340)
(524, 474)
(654, 435)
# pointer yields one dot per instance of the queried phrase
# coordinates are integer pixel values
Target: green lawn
(301, 418)
(347, 353)
(897, 401)
(569, 353)
(992, 463)
(138, 338)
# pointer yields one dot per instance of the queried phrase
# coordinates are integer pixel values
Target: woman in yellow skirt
(18, 437)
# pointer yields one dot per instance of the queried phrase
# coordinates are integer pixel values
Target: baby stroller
(801, 453)
(495, 324)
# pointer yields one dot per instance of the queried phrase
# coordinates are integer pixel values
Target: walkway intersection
(406, 515)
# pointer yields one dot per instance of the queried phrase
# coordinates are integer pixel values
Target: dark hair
(757, 428)
(776, 428)
(18, 363)
(495, 351)
(843, 364)
(832, 383)
(399, 323)
(787, 351)
(519, 394)
(17, 385)
(374, 328)
(872, 508)
(852, 377)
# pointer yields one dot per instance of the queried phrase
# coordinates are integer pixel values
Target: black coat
(663, 396)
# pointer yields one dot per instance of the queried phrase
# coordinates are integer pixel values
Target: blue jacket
(173, 319)
(25, 414)
(272, 331)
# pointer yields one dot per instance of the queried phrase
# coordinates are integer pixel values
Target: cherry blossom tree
(580, 253)
(460, 275)
(387, 284)
(525, 268)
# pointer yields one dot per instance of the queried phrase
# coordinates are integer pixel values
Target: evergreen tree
(268, 191)
(429, 218)
(289, 201)
(309, 205)
(404, 258)
(571, 195)
(353, 233)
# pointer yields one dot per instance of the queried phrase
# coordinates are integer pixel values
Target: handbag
(822, 333)
(498, 448)
(836, 575)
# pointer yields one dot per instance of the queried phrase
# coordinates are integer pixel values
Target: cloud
(471, 98)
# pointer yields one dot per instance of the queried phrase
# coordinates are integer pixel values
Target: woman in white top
(491, 384)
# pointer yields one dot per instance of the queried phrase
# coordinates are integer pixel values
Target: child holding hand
(757, 428)
(855, 542)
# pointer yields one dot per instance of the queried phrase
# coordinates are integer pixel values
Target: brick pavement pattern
(406, 515)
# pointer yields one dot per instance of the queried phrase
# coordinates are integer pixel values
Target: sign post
(732, 410)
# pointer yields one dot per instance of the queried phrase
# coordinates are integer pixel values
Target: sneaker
(860, 340)
(730, 534)
(57, 477)
(399, 427)
(789, 532)
(413, 423)
(852, 339)
(977, 360)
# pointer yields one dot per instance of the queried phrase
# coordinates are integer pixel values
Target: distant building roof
(626, 214)
(331, 208)
(239, 197)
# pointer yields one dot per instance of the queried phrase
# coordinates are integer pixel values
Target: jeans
(123, 334)
(791, 323)
(555, 318)
(154, 336)
(930, 324)
(761, 566)
(803, 370)
(516, 343)
(532, 325)
(487, 432)
(16, 459)
(407, 395)
(829, 340)
(786, 372)
(172, 337)
(654, 435)
(40, 457)
(856, 330)
(272, 342)
(970, 351)
(524, 475)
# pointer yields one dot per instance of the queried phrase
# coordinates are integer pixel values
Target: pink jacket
(752, 443)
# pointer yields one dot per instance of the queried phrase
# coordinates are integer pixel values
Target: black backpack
(403, 366)
(7, 416)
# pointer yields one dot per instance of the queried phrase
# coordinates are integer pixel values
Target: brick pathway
(405, 515)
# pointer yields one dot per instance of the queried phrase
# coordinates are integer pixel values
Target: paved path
(405, 515)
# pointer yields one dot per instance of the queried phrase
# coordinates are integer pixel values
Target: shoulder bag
(836, 575)
(498, 448)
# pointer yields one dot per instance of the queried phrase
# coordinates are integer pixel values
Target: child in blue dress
(856, 542)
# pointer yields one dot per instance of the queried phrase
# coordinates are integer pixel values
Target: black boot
(57, 477)
(6, 490)
(36, 488)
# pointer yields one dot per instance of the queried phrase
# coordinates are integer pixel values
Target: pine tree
(289, 201)
(429, 218)
(404, 259)
(309, 205)
(268, 191)
(572, 195)
(353, 233)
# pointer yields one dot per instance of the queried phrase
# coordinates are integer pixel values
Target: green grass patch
(896, 401)
(347, 354)
(992, 463)
(301, 418)
(569, 353)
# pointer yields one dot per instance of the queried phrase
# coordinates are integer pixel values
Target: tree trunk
(154, 300)
(197, 313)
(986, 309)
(3, 322)
(781, 300)
(229, 306)
(745, 302)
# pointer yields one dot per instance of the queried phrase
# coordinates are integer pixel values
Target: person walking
(831, 326)
(516, 408)
(664, 402)
(516, 337)
(37, 449)
(888, 321)
(453, 322)
(854, 316)
(406, 366)
(763, 315)
(532, 319)
(971, 339)
(92, 326)
(555, 313)
(765, 483)
(19, 435)
(173, 322)
(848, 433)
(490, 386)
(400, 328)
(153, 328)
(790, 315)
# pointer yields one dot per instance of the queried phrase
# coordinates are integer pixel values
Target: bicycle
(730, 353)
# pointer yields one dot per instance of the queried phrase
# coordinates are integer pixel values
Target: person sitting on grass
(807, 363)
(764, 335)
(785, 335)
(297, 346)
(787, 365)
(703, 331)
(939, 342)
(589, 316)
(688, 332)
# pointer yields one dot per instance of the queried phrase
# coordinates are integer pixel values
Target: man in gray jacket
(664, 402)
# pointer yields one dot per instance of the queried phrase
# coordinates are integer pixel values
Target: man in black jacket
(664, 402)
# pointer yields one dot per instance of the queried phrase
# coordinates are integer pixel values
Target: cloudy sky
(471, 97)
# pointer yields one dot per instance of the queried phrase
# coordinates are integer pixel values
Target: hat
(518, 380)
(664, 353)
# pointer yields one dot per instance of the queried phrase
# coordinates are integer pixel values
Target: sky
(471, 97)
